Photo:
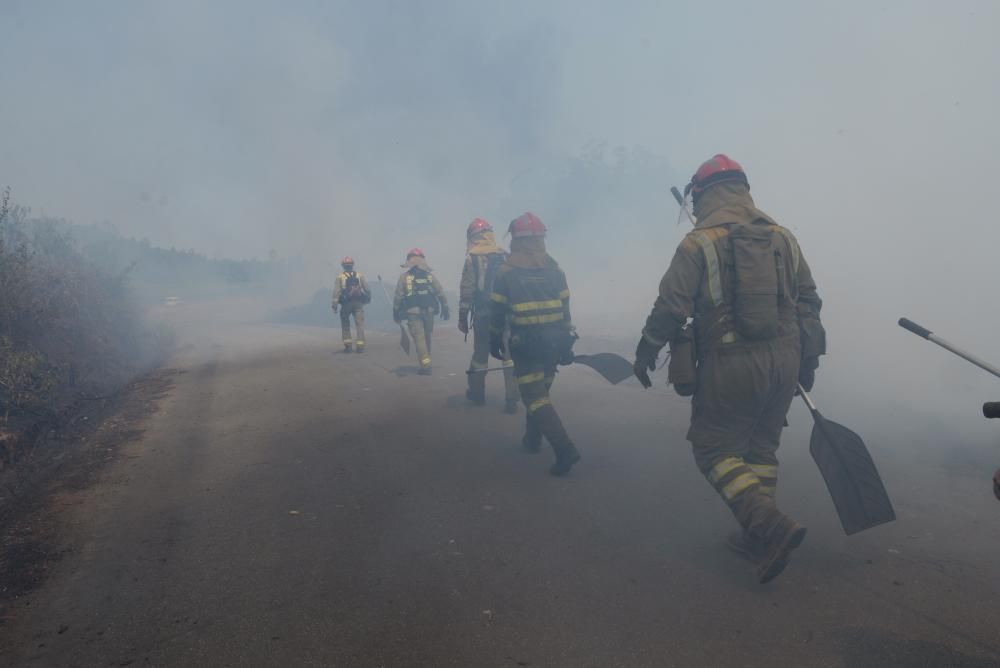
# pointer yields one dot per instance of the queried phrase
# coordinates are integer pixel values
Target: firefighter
(350, 294)
(755, 333)
(482, 261)
(419, 297)
(530, 294)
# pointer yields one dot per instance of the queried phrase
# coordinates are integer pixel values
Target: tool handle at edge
(806, 398)
(911, 326)
(991, 409)
(677, 195)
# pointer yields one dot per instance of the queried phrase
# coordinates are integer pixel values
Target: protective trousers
(356, 309)
(481, 358)
(421, 325)
(535, 375)
(743, 394)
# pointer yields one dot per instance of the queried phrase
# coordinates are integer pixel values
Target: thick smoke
(241, 128)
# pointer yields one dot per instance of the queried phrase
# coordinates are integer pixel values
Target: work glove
(807, 373)
(335, 307)
(645, 361)
(496, 345)
(685, 389)
(445, 313)
(463, 320)
(566, 355)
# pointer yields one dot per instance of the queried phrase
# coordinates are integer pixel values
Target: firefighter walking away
(531, 295)
(482, 261)
(419, 297)
(350, 294)
(755, 333)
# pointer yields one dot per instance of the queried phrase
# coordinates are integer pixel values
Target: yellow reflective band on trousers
(731, 477)
(535, 405)
(425, 361)
(738, 484)
(537, 319)
(530, 378)
(711, 267)
(722, 468)
(536, 306)
(478, 365)
(507, 363)
(768, 475)
(764, 470)
(564, 294)
(498, 298)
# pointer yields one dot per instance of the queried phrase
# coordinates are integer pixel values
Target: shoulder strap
(793, 244)
(707, 244)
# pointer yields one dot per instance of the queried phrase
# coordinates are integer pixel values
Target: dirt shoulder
(65, 460)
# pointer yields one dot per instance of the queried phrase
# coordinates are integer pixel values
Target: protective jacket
(530, 289)
(341, 289)
(736, 264)
(701, 280)
(482, 262)
(418, 290)
(530, 293)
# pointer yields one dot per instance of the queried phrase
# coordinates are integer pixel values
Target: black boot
(552, 427)
(747, 545)
(785, 537)
(477, 389)
(566, 457)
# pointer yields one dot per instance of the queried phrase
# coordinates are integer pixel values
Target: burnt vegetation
(72, 325)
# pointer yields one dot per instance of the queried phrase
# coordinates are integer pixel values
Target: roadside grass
(69, 329)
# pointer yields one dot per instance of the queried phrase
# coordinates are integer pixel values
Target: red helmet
(414, 251)
(476, 226)
(717, 169)
(527, 225)
(347, 260)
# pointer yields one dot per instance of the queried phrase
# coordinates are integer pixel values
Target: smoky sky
(319, 129)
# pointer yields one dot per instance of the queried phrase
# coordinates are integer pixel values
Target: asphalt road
(290, 505)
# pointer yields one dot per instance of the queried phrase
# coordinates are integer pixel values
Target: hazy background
(319, 129)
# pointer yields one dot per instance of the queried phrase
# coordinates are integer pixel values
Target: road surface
(290, 505)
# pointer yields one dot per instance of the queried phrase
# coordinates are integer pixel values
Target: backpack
(759, 279)
(484, 283)
(352, 289)
(420, 290)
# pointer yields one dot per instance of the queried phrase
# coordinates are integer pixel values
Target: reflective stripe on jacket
(418, 289)
(700, 282)
(530, 297)
(478, 275)
(340, 284)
